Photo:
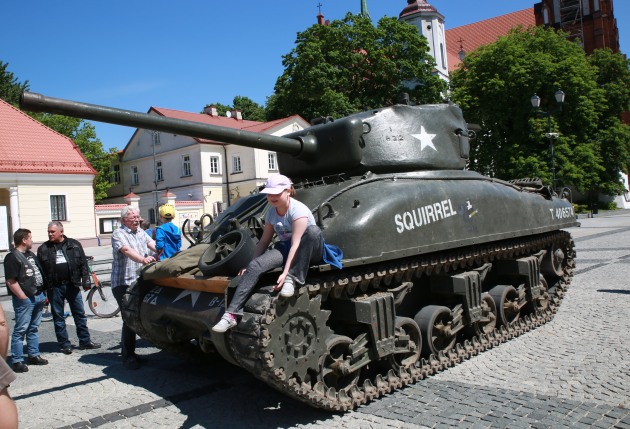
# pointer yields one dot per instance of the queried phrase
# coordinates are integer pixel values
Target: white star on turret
(194, 296)
(426, 140)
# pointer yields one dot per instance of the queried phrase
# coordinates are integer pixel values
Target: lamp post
(535, 100)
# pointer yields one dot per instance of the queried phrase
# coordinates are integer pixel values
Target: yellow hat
(167, 211)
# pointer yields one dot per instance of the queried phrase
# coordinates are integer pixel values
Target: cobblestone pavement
(571, 372)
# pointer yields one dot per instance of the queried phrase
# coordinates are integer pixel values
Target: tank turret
(391, 139)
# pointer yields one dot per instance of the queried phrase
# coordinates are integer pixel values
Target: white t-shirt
(283, 224)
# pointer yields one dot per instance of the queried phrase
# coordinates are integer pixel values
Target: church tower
(430, 24)
(364, 9)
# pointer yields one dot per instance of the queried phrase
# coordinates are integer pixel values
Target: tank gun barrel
(299, 146)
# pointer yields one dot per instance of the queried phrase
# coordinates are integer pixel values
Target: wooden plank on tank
(188, 282)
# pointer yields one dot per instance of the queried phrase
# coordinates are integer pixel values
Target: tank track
(273, 337)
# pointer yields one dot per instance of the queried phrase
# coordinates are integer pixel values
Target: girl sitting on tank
(300, 244)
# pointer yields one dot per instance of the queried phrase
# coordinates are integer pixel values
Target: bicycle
(100, 298)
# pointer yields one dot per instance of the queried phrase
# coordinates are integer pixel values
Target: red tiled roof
(483, 33)
(28, 146)
(417, 6)
(109, 207)
(188, 203)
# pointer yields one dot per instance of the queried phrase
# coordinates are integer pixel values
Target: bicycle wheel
(102, 302)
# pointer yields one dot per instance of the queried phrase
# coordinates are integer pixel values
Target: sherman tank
(440, 263)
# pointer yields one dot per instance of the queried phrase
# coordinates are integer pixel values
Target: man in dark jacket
(25, 284)
(66, 271)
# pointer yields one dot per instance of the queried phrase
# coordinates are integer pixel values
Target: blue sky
(183, 55)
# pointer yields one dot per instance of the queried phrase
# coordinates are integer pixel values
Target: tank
(440, 263)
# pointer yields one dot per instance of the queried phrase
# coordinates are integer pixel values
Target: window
(273, 161)
(156, 138)
(236, 164)
(595, 5)
(443, 55)
(152, 216)
(58, 207)
(135, 179)
(186, 165)
(115, 174)
(109, 225)
(215, 165)
(159, 176)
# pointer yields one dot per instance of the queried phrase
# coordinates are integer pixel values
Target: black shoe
(90, 346)
(20, 367)
(37, 360)
(67, 350)
(131, 362)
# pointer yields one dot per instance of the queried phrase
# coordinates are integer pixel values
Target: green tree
(82, 133)
(493, 87)
(350, 65)
(10, 87)
(248, 108)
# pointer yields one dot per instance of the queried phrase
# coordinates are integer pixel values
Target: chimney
(236, 114)
(210, 110)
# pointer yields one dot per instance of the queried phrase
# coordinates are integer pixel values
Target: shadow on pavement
(209, 394)
(621, 291)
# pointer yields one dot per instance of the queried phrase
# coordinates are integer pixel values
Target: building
(590, 21)
(43, 177)
(196, 175)
(467, 38)
(430, 24)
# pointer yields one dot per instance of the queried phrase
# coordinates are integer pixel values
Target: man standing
(168, 237)
(66, 271)
(130, 249)
(25, 284)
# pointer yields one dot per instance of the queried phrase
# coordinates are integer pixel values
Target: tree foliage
(494, 85)
(10, 87)
(81, 132)
(249, 109)
(350, 65)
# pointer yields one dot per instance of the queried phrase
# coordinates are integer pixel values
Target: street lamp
(535, 100)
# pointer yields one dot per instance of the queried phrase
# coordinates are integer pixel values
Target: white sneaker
(287, 288)
(227, 321)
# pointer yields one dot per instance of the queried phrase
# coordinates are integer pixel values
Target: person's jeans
(309, 252)
(128, 335)
(28, 315)
(67, 292)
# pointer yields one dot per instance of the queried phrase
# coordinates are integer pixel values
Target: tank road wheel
(488, 321)
(553, 262)
(506, 301)
(335, 365)
(408, 337)
(227, 255)
(435, 323)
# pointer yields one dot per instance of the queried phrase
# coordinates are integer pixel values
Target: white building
(430, 24)
(199, 175)
(43, 177)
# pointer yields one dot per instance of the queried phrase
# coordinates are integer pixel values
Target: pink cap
(276, 184)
